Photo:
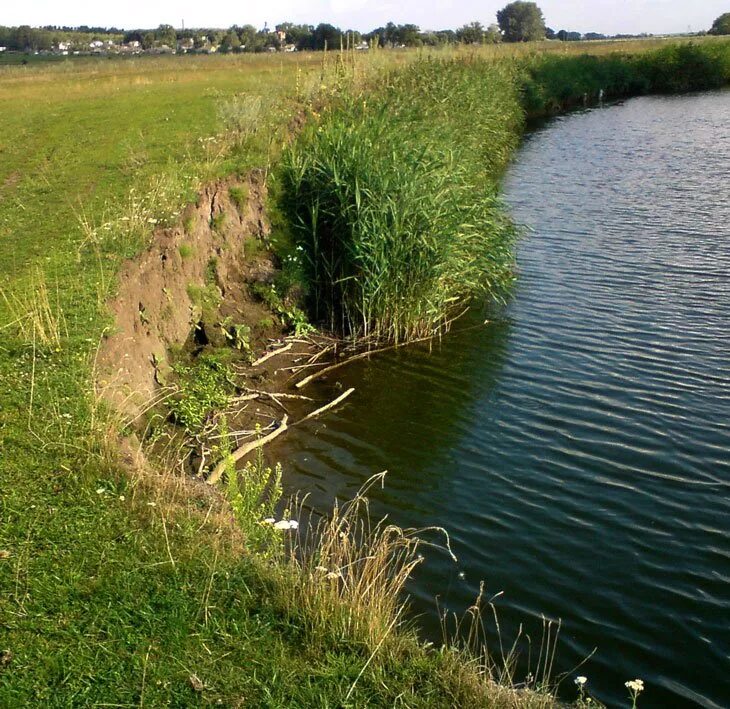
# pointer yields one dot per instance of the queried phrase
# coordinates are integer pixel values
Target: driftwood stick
(271, 354)
(244, 450)
(326, 407)
(247, 397)
(339, 364)
(219, 469)
(256, 394)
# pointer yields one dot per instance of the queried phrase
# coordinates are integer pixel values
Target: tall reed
(391, 196)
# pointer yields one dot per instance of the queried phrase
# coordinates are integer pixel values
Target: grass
(121, 584)
(126, 583)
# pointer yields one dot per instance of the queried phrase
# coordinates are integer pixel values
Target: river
(577, 447)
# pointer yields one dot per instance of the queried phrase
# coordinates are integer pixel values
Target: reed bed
(391, 195)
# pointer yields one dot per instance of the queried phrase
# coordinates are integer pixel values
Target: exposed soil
(213, 257)
(183, 294)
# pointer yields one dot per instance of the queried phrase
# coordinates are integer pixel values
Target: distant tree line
(519, 21)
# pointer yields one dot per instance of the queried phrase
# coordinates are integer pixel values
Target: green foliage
(551, 83)
(217, 221)
(521, 21)
(189, 223)
(239, 196)
(202, 389)
(721, 25)
(685, 67)
(237, 334)
(254, 494)
(392, 199)
(291, 316)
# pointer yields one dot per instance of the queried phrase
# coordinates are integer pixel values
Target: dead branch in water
(367, 353)
(234, 457)
(243, 451)
(326, 407)
(271, 354)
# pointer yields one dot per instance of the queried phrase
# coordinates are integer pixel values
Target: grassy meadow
(124, 586)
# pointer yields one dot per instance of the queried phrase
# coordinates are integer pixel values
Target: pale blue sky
(608, 16)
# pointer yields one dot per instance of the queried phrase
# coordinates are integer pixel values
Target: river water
(576, 448)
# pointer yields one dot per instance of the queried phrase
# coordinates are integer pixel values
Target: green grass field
(119, 588)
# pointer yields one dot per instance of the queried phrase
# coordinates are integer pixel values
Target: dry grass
(35, 313)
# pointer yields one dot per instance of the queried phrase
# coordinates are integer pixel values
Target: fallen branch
(327, 407)
(271, 354)
(239, 453)
(243, 451)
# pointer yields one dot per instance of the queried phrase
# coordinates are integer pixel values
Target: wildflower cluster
(282, 524)
(635, 687)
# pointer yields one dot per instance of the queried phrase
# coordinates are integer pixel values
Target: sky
(606, 16)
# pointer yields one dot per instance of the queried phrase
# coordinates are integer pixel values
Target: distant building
(186, 45)
(3, 49)
(96, 44)
(362, 46)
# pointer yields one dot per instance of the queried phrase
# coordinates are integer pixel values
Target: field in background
(111, 590)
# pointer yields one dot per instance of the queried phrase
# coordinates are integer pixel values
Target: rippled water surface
(578, 447)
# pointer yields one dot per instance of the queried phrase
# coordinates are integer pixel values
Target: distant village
(53, 41)
(83, 41)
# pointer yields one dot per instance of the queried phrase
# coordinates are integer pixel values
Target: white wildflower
(282, 524)
(100, 491)
(269, 520)
(635, 685)
(580, 681)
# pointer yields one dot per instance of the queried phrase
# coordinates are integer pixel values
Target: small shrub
(186, 251)
(254, 494)
(238, 335)
(291, 316)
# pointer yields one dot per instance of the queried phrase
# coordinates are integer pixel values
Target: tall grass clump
(391, 197)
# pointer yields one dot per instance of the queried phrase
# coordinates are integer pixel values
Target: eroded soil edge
(194, 278)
